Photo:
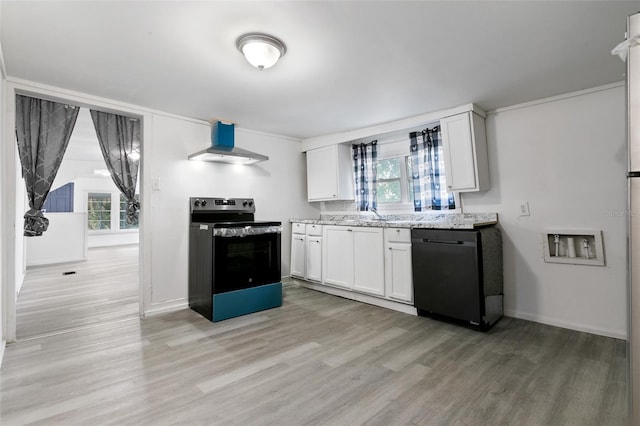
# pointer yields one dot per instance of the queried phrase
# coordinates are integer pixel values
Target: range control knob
(204, 203)
(244, 203)
(250, 203)
(196, 203)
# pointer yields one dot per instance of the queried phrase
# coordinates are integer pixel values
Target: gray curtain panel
(43, 130)
(119, 138)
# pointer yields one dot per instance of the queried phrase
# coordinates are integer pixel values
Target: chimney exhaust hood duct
(222, 148)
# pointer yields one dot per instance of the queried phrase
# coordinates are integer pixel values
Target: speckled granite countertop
(434, 221)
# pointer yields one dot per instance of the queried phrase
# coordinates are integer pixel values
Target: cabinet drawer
(314, 230)
(298, 228)
(397, 235)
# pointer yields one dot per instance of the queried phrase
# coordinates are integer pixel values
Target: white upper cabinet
(465, 152)
(330, 173)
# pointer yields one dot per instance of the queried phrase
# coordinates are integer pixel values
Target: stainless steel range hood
(223, 149)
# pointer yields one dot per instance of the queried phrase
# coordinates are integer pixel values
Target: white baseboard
(166, 307)
(617, 334)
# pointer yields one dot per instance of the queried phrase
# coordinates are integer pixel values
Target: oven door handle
(246, 231)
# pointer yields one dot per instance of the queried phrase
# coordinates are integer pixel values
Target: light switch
(155, 184)
(524, 208)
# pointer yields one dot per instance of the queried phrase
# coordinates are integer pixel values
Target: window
(394, 180)
(99, 210)
(389, 181)
(106, 211)
(123, 214)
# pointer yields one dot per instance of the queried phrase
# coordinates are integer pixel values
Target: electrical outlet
(524, 208)
(155, 184)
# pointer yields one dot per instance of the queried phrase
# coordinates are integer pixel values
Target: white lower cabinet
(337, 256)
(397, 269)
(354, 259)
(306, 251)
(314, 258)
(368, 261)
(298, 255)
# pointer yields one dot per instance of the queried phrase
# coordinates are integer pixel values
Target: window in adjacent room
(106, 212)
(99, 210)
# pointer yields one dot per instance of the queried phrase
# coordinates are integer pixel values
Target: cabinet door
(368, 260)
(398, 279)
(314, 258)
(459, 154)
(464, 142)
(297, 255)
(337, 256)
(329, 173)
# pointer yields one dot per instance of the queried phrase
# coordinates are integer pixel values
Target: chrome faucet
(375, 212)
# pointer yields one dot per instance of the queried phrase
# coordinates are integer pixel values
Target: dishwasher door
(447, 274)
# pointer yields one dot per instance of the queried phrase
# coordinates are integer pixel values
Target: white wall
(73, 169)
(278, 186)
(566, 157)
(64, 241)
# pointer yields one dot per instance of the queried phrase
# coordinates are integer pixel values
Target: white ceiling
(348, 64)
(83, 144)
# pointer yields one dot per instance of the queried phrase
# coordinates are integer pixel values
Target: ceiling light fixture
(102, 172)
(261, 50)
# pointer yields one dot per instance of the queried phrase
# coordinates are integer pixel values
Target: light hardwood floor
(317, 360)
(103, 289)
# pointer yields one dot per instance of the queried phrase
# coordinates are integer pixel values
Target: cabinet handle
(350, 230)
(390, 248)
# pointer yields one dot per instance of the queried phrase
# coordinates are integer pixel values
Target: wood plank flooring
(317, 360)
(103, 289)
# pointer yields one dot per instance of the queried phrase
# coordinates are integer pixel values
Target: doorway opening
(84, 270)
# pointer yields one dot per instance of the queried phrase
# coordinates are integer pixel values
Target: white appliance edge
(633, 135)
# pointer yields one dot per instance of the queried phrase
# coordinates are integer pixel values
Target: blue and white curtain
(365, 158)
(428, 174)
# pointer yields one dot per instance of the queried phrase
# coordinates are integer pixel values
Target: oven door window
(244, 262)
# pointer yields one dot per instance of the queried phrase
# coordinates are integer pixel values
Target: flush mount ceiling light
(261, 50)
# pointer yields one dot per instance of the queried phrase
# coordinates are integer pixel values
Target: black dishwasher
(457, 274)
